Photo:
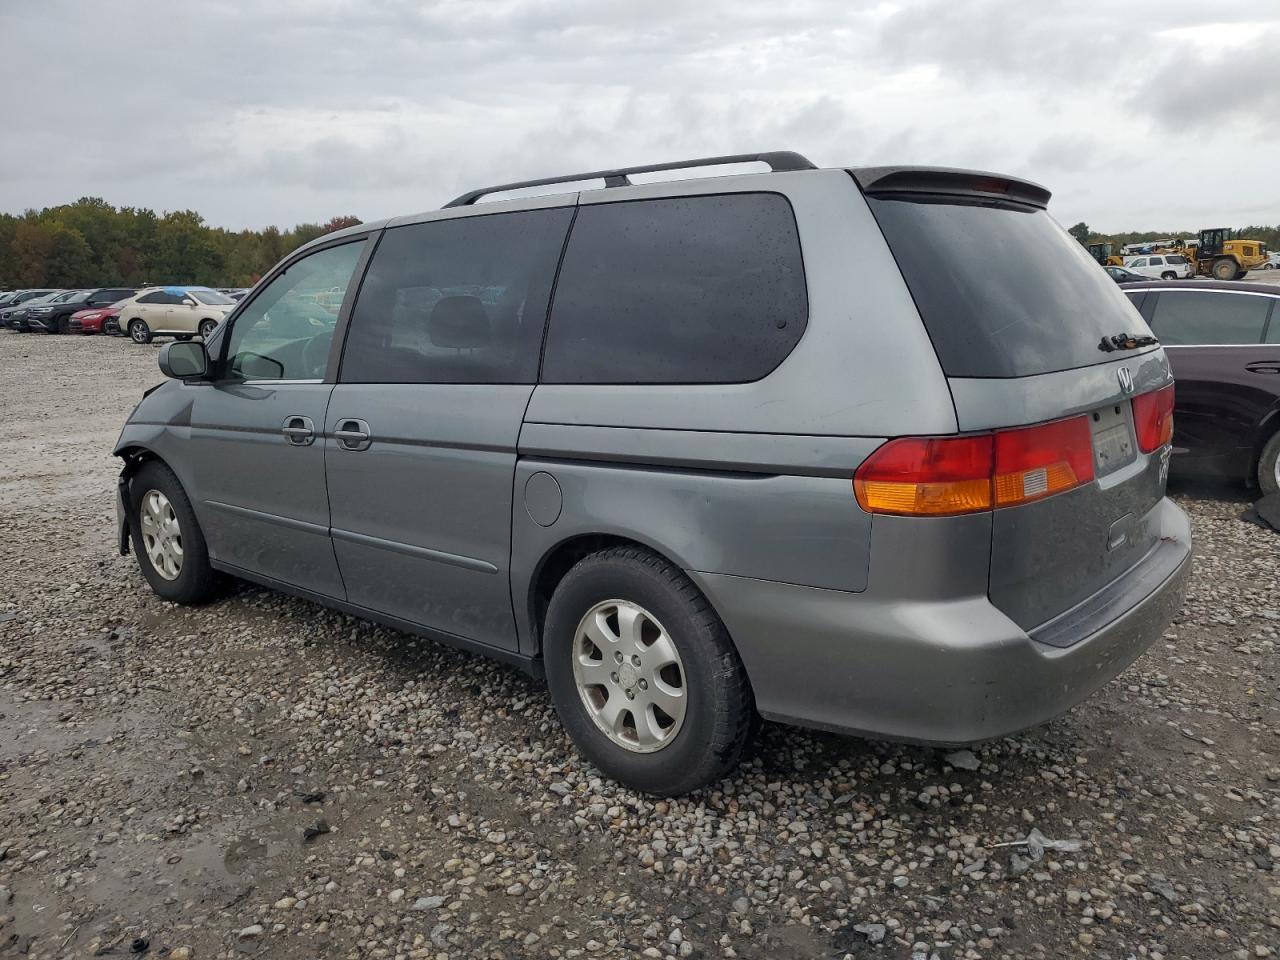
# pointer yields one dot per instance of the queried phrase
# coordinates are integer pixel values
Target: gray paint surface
(437, 477)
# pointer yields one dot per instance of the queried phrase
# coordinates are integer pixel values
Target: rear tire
(139, 332)
(1225, 268)
(1168, 275)
(166, 537)
(1268, 473)
(700, 737)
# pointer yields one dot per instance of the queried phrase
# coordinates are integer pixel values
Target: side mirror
(188, 302)
(184, 360)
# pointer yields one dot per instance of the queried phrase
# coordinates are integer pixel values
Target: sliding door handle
(353, 435)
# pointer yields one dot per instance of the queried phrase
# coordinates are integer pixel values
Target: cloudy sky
(280, 111)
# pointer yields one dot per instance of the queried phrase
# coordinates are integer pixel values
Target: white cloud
(289, 111)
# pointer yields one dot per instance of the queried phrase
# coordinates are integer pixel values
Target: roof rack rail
(778, 161)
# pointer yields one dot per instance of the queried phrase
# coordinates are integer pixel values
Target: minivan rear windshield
(1003, 290)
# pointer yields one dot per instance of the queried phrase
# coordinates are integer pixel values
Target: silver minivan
(875, 450)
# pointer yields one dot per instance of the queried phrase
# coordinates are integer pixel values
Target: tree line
(91, 243)
(1268, 235)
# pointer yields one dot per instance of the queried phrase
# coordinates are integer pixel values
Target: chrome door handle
(299, 431)
(353, 435)
(1263, 366)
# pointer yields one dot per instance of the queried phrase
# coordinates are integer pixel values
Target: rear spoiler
(947, 181)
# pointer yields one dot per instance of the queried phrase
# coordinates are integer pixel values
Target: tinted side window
(156, 297)
(1198, 316)
(679, 290)
(285, 333)
(457, 301)
(102, 297)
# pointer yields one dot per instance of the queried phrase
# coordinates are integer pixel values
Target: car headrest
(459, 322)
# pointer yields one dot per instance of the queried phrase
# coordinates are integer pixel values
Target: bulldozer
(1102, 253)
(1219, 255)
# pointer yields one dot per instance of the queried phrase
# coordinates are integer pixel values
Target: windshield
(1003, 291)
(211, 297)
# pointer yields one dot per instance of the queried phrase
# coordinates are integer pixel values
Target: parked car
(94, 319)
(182, 312)
(1273, 261)
(18, 316)
(1168, 266)
(1223, 342)
(1121, 275)
(790, 442)
(17, 299)
(55, 316)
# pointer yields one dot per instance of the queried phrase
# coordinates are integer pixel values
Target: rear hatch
(1029, 330)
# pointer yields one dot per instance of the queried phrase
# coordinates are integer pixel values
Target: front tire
(139, 332)
(166, 537)
(1268, 473)
(207, 327)
(1225, 269)
(644, 675)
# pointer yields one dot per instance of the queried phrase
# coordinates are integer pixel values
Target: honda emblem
(1126, 379)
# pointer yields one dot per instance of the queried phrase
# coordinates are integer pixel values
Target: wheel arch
(560, 558)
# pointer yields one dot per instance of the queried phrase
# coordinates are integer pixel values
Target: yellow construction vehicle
(1219, 255)
(1102, 253)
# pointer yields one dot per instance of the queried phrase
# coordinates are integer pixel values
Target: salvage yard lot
(266, 777)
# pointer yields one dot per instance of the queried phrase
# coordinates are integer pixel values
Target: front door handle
(299, 431)
(1263, 366)
(353, 434)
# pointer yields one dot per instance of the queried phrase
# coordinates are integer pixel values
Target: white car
(1273, 261)
(1160, 266)
(182, 312)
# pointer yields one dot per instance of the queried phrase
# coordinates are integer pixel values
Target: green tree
(1081, 232)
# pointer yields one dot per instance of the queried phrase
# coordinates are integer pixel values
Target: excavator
(1219, 255)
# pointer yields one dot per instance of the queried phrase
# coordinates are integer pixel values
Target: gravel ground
(265, 777)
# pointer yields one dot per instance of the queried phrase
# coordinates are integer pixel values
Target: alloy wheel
(161, 534)
(629, 675)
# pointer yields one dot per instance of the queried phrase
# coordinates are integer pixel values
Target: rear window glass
(706, 289)
(1204, 317)
(1003, 291)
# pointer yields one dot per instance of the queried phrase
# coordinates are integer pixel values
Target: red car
(92, 320)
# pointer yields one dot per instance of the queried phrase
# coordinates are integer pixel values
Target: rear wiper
(1125, 341)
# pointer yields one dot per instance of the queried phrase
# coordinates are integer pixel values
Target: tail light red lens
(1037, 462)
(946, 476)
(927, 476)
(1153, 418)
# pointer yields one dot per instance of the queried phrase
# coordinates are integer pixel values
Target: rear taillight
(927, 476)
(1035, 462)
(946, 476)
(1153, 418)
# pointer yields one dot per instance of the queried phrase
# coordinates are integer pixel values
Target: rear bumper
(951, 671)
